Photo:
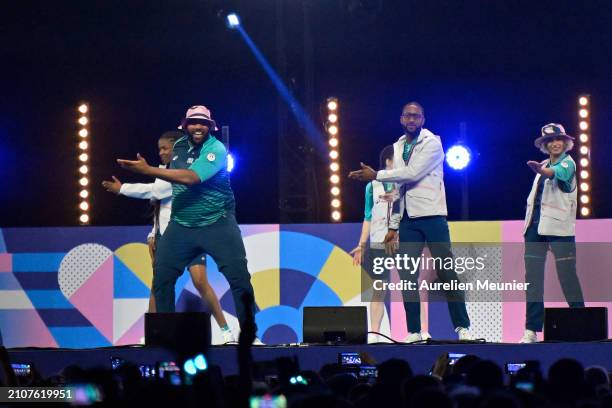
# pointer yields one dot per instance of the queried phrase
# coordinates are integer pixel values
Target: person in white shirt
(379, 198)
(420, 214)
(160, 194)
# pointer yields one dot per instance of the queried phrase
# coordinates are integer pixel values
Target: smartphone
(349, 359)
(268, 401)
(453, 357)
(169, 371)
(512, 368)
(22, 369)
(524, 386)
(116, 362)
(368, 372)
(147, 370)
(85, 394)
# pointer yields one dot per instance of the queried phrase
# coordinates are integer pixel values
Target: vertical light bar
(584, 153)
(83, 167)
(333, 132)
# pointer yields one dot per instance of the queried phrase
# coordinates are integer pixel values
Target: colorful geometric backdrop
(89, 286)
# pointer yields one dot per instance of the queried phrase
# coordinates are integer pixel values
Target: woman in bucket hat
(550, 221)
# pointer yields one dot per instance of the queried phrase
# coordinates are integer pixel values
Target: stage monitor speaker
(345, 324)
(575, 324)
(186, 333)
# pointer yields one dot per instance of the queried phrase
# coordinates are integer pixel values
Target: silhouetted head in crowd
(418, 383)
(597, 377)
(394, 372)
(566, 379)
(486, 375)
(464, 364)
(430, 398)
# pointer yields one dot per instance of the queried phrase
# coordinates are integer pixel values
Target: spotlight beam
(298, 111)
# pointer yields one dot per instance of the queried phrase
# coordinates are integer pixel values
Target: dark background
(505, 68)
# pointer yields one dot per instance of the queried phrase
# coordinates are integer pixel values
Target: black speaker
(345, 324)
(185, 333)
(575, 324)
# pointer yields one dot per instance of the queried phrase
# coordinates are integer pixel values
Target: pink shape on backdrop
(94, 299)
(248, 230)
(24, 328)
(6, 263)
(133, 335)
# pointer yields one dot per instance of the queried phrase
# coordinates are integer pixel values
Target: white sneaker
(425, 335)
(258, 342)
(464, 334)
(413, 338)
(228, 336)
(529, 337)
(374, 338)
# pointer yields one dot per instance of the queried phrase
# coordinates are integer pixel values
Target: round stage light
(584, 199)
(230, 163)
(584, 125)
(83, 108)
(584, 150)
(83, 145)
(83, 132)
(332, 105)
(83, 181)
(333, 142)
(583, 101)
(334, 166)
(84, 206)
(84, 218)
(584, 162)
(336, 215)
(333, 130)
(584, 211)
(335, 203)
(83, 157)
(584, 186)
(584, 174)
(333, 154)
(84, 193)
(458, 157)
(332, 118)
(335, 179)
(335, 191)
(583, 113)
(83, 169)
(584, 137)
(83, 120)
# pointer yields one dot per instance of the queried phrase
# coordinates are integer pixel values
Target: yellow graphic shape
(341, 276)
(475, 231)
(266, 285)
(136, 257)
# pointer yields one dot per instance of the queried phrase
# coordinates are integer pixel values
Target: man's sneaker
(425, 335)
(464, 334)
(228, 336)
(529, 337)
(413, 338)
(258, 342)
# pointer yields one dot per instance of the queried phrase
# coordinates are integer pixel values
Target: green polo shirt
(204, 203)
(565, 170)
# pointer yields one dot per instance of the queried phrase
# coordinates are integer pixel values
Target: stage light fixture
(333, 130)
(584, 186)
(336, 215)
(584, 199)
(332, 118)
(334, 178)
(84, 218)
(332, 104)
(584, 138)
(83, 108)
(458, 157)
(83, 132)
(233, 20)
(584, 125)
(584, 162)
(334, 167)
(83, 169)
(333, 154)
(335, 191)
(83, 120)
(333, 142)
(585, 212)
(84, 194)
(583, 113)
(83, 145)
(584, 150)
(583, 101)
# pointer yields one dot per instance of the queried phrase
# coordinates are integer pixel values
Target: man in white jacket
(420, 213)
(160, 194)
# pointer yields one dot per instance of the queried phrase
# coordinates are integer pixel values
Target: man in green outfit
(203, 213)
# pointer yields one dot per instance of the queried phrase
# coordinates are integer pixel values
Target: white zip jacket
(158, 190)
(381, 210)
(557, 209)
(421, 181)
